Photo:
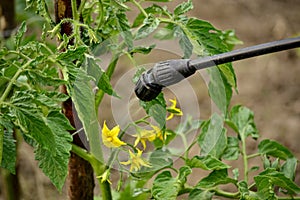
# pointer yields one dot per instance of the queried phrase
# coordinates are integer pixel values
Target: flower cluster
(111, 139)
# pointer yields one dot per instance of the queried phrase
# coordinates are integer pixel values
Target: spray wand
(169, 72)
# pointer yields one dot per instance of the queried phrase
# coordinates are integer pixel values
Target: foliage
(30, 105)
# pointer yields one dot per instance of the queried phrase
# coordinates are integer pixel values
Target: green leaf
(212, 139)
(160, 159)
(207, 40)
(219, 90)
(183, 8)
(215, 178)
(269, 178)
(39, 77)
(197, 194)
(232, 150)
(273, 148)
(31, 120)
(101, 78)
(154, 9)
(289, 168)
(84, 101)
(72, 55)
(20, 33)
(245, 193)
(165, 187)
(9, 154)
(183, 173)
(207, 163)
(185, 44)
(242, 122)
(142, 49)
(150, 24)
(124, 27)
(229, 37)
(156, 108)
(54, 161)
(138, 74)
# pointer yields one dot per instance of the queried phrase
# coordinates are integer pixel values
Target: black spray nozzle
(170, 72)
(161, 75)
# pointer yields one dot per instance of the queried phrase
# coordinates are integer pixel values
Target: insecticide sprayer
(169, 72)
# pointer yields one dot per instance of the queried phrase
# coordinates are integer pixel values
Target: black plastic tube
(248, 52)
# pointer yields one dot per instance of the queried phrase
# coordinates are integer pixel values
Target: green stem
(288, 198)
(74, 10)
(140, 8)
(80, 9)
(12, 81)
(245, 159)
(98, 167)
(253, 155)
(230, 195)
(47, 15)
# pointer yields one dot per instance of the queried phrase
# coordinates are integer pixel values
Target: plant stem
(12, 81)
(245, 158)
(231, 195)
(99, 169)
(140, 8)
(288, 198)
(253, 155)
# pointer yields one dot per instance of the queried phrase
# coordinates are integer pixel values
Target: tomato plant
(30, 106)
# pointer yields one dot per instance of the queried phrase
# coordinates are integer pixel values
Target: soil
(269, 85)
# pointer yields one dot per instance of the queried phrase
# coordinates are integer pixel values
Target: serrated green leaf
(185, 43)
(20, 33)
(37, 76)
(242, 121)
(165, 187)
(150, 24)
(219, 90)
(232, 150)
(212, 139)
(72, 54)
(31, 120)
(156, 108)
(124, 27)
(84, 101)
(207, 40)
(207, 163)
(269, 178)
(273, 148)
(197, 194)
(215, 178)
(183, 8)
(9, 154)
(54, 161)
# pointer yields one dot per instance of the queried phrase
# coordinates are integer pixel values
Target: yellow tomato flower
(173, 110)
(136, 161)
(144, 135)
(105, 176)
(158, 133)
(110, 137)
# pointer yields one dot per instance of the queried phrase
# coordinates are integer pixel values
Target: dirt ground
(269, 85)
